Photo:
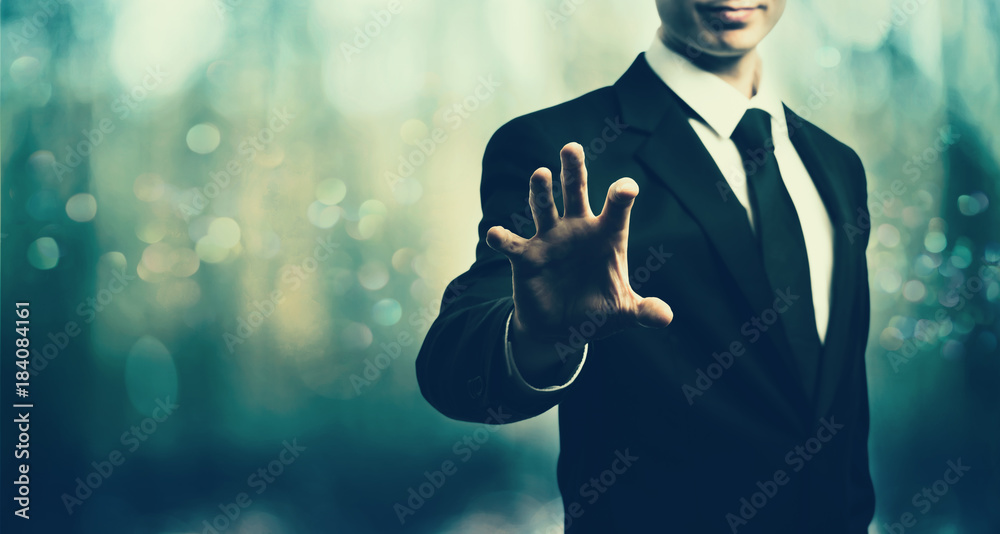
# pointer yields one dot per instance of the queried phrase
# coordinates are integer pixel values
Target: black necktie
(779, 232)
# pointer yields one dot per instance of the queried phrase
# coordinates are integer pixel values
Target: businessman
(749, 412)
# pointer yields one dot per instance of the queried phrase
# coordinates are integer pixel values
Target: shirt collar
(719, 104)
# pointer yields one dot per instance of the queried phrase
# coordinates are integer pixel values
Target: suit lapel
(824, 161)
(676, 157)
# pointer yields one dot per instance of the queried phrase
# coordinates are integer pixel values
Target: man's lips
(729, 13)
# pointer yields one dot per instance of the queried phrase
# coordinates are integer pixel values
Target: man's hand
(573, 265)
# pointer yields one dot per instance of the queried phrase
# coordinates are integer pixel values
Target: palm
(575, 267)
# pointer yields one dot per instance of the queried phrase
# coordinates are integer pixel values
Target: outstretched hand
(576, 263)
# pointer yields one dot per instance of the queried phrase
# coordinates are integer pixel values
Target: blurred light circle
(828, 57)
(402, 260)
(925, 265)
(925, 331)
(41, 161)
(421, 266)
(113, 260)
(387, 312)
(150, 375)
(147, 275)
(952, 349)
(323, 216)
(25, 70)
(81, 207)
(372, 207)
(924, 200)
(178, 293)
(891, 339)
(948, 270)
(43, 205)
(945, 328)
(369, 225)
(203, 138)
(961, 257)
(148, 187)
(354, 233)
(373, 275)
(219, 72)
(935, 242)
(155, 49)
(225, 232)
(43, 253)
(413, 130)
(209, 251)
(183, 262)
(968, 205)
(992, 253)
(964, 323)
(914, 291)
(937, 224)
(151, 231)
(198, 228)
(331, 191)
(408, 191)
(888, 235)
(949, 297)
(357, 336)
(888, 280)
(350, 213)
(902, 323)
(156, 257)
(982, 200)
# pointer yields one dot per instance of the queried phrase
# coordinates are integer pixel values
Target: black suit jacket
(657, 432)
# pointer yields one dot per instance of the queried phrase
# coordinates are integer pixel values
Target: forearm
(463, 371)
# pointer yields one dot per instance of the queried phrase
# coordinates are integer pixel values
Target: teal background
(167, 167)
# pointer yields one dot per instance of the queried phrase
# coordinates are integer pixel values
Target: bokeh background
(168, 166)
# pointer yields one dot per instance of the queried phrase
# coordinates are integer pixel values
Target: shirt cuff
(514, 374)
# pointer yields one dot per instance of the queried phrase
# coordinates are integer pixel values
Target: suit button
(476, 387)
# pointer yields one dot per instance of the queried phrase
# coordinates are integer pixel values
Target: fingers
(505, 242)
(543, 206)
(653, 313)
(574, 181)
(618, 205)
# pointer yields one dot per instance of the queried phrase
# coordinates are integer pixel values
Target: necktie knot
(753, 131)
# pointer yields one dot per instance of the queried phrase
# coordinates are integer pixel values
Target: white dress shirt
(721, 106)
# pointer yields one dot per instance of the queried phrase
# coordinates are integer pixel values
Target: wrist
(537, 357)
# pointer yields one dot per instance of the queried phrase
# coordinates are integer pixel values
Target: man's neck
(742, 71)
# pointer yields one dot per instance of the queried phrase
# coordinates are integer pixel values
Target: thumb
(653, 313)
(505, 242)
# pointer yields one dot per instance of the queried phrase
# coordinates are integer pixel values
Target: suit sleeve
(863, 505)
(462, 367)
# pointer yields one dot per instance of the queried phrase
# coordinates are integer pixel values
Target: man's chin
(731, 42)
(726, 51)
(732, 46)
